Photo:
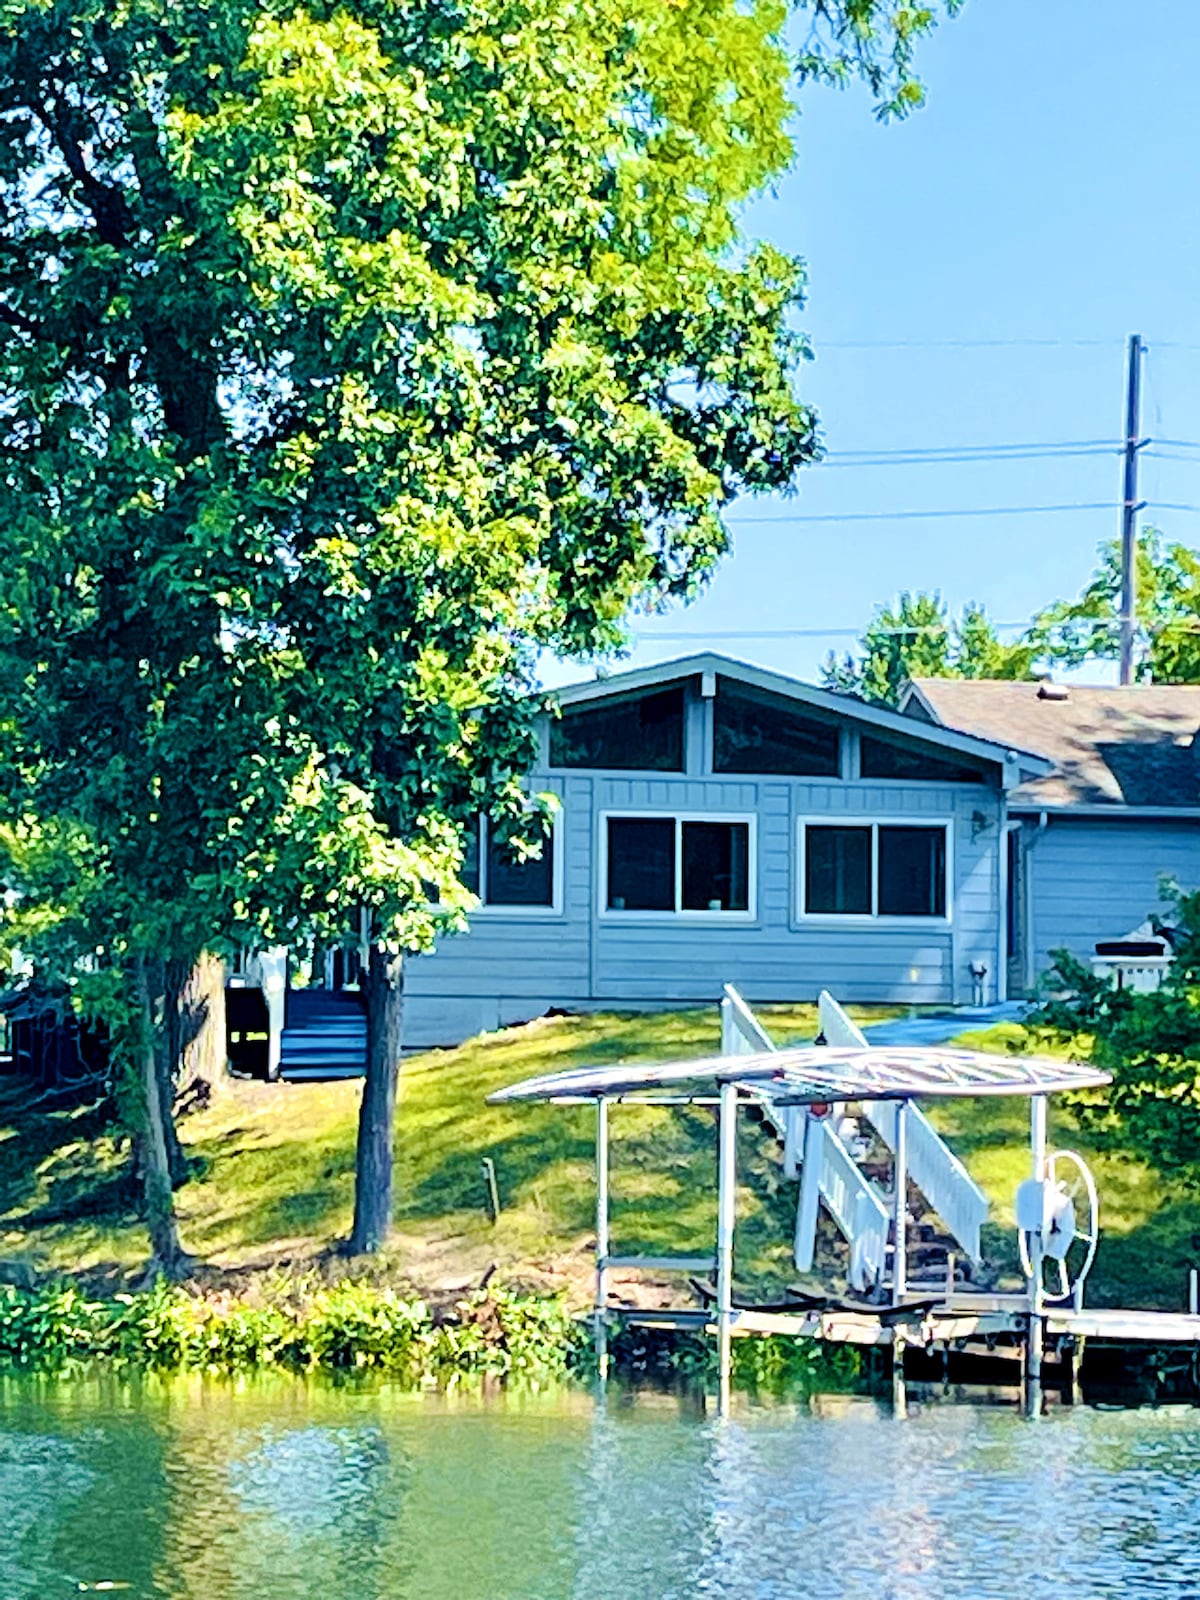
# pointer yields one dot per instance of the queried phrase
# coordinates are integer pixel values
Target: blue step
(325, 1036)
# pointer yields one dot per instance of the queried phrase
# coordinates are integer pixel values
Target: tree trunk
(172, 975)
(204, 1048)
(383, 984)
(156, 1169)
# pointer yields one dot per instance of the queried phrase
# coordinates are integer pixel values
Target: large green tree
(352, 356)
(917, 638)
(1072, 632)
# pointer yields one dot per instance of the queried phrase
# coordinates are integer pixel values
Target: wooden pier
(969, 1323)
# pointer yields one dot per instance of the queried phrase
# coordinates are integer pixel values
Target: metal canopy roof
(815, 1074)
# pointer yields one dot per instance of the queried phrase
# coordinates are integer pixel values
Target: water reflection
(199, 1492)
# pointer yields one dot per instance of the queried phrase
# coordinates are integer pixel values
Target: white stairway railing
(937, 1172)
(828, 1170)
(932, 1165)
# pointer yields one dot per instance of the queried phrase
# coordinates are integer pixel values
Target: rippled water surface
(315, 1493)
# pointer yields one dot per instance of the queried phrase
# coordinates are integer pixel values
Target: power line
(1029, 444)
(973, 344)
(954, 454)
(921, 516)
(1110, 625)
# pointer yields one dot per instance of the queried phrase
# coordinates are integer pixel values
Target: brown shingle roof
(1134, 746)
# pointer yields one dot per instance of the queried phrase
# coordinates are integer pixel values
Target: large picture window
(678, 864)
(874, 869)
(642, 734)
(501, 878)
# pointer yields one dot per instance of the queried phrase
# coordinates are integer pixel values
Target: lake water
(318, 1493)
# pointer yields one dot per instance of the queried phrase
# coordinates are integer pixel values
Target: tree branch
(14, 319)
(105, 201)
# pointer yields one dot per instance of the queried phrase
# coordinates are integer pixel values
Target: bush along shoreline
(345, 1328)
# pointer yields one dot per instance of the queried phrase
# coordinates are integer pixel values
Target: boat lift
(1057, 1210)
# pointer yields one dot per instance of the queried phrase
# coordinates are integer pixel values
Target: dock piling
(600, 1318)
(726, 1210)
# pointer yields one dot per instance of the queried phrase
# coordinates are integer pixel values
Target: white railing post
(900, 1207)
(1035, 1338)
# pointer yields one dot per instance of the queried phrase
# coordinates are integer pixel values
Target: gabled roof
(1014, 761)
(1131, 747)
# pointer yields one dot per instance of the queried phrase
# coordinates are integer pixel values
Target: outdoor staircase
(324, 1036)
(843, 1164)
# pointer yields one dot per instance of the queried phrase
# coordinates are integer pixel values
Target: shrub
(1150, 1043)
(344, 1327)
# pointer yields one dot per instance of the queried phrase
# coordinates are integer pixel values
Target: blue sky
(1044, 199)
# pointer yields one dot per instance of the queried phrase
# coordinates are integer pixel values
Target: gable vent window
(643, 734)
(763, 733)
(495, 872)
(880, 758)
(875, 869)
(679, 864)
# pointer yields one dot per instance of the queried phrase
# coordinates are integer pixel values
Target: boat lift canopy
(808, 1075)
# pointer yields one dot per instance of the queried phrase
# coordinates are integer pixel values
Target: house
(719, 823)
(1088, 842)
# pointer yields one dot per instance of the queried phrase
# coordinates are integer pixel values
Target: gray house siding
(512, 967)
(1092, 878)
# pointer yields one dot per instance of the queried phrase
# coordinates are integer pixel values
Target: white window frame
(873, 918)
(678, 914)
(554, 844)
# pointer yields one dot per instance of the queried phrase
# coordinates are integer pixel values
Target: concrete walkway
(943, 1025)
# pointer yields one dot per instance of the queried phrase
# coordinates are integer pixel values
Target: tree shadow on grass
(59, 1162)
(265, 1191)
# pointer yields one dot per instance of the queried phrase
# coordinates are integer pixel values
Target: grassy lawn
(276, 1165)
(1147, 1218)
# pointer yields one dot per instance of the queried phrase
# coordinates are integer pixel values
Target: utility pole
(1130, 506)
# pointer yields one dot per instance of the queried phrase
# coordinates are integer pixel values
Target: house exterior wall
(1094, 878)
(511, 967)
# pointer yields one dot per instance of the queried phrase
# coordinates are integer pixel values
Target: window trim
(555, 843)
(678, 914)
(873, 918)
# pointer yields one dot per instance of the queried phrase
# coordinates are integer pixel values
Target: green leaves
(1168, 602)
(916, 638)
(871, 40)
(357, 355)
(1150, 1043)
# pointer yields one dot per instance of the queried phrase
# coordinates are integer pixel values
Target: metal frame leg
(726, 1213)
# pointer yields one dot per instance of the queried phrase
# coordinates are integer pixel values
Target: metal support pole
(1193, 1292)
(600, 1320)
(1036, 1336)
(900, 1207)
(726, 1208)
(1130, 507)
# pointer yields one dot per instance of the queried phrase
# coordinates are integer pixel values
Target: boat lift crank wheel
(1071, 1231)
